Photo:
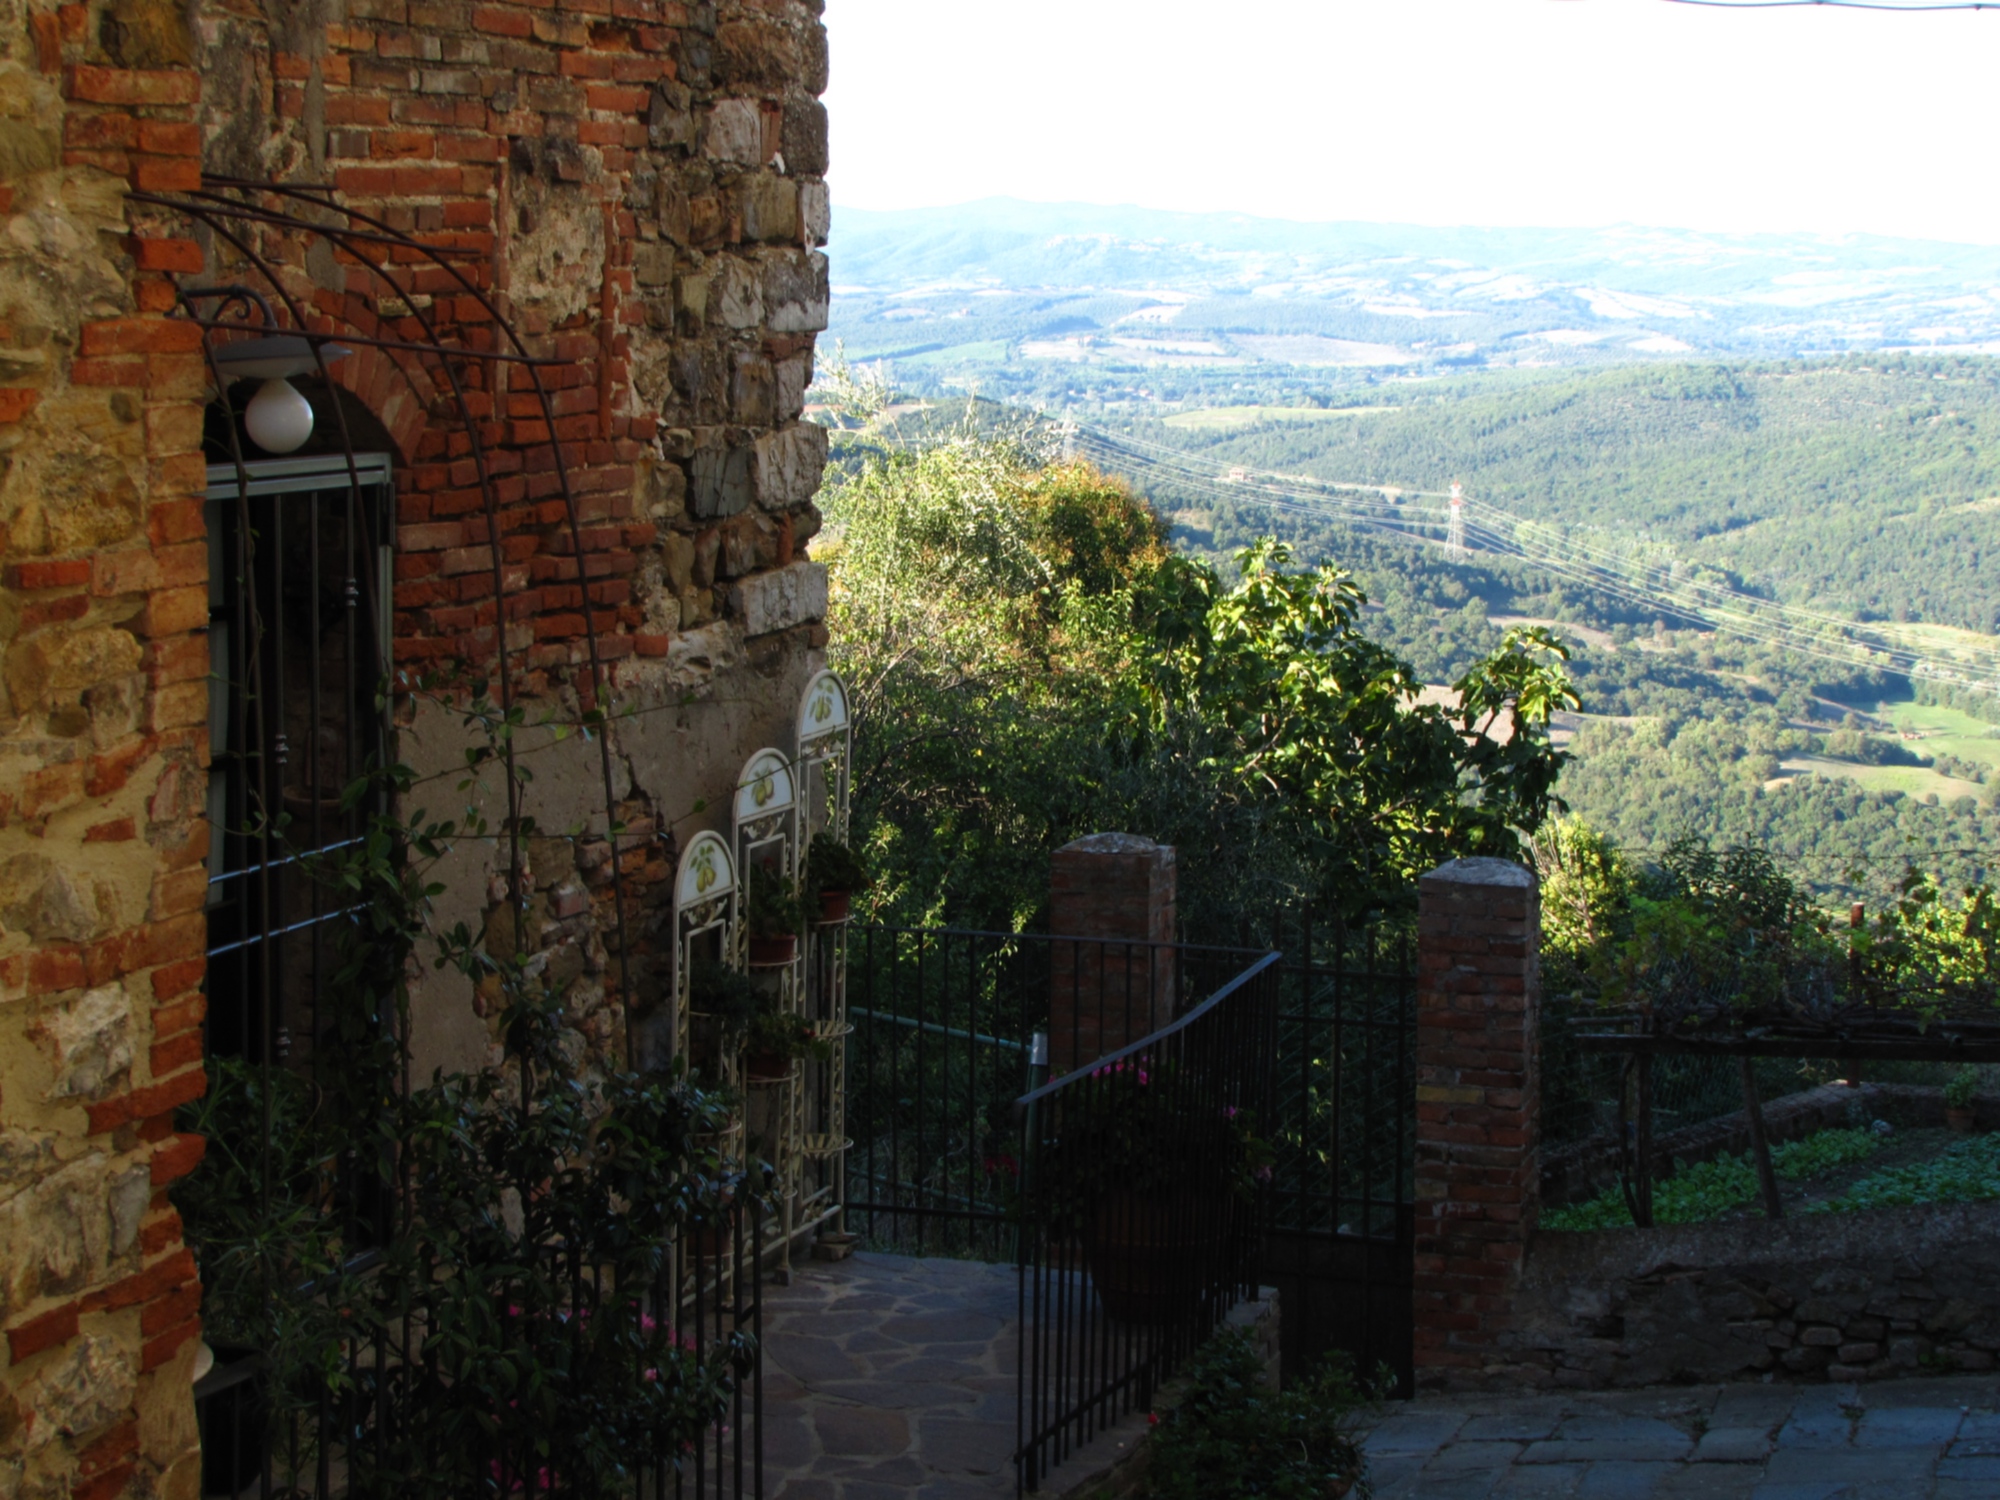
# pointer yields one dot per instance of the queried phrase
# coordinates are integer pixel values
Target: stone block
(793, 376)
(781, 598)
(653, 263)
(90, 1043)
(734, 132)
(58, 1233)
(670, 124)
(1733, 1445)
(804, 138)
(52, 665)
(789, 465)
(88, 1388)
(737, 294)
(815, 213)
(719, 482)
(796, 295)
(41, 899)
(770, 207)
(752, 394)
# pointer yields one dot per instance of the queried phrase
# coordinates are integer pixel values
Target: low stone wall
(1857, 1296)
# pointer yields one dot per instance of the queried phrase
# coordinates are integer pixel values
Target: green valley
(1861, 488)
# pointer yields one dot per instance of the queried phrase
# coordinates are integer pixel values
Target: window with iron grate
(300, 575)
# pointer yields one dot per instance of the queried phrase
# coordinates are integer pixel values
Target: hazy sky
(1576, 112)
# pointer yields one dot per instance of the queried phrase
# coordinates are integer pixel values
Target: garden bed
(1828, 1171)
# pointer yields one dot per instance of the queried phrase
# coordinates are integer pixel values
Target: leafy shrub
(778, 1033)
(508, 1328)
(832, 866)
(1233, 1436)
(774, 909)
(731, 997)
(1962, 1089)
(1031, 664)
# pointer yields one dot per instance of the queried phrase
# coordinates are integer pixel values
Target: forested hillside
(1857, 488)
(1869, 487)
(1862, 488)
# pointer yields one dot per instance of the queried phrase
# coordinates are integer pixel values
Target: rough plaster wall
(687, 725)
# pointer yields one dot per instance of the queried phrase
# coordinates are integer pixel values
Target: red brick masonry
(1109, 885)
(1478, 1169)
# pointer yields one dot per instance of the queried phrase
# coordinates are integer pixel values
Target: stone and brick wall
(102, 753)
(1477, 1171)
(642, 184)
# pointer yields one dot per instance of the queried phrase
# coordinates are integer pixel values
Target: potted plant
(835, 872)
(776, 1040)
(774, 916)
(1958, 1096)
(722, 1002)
(1151, 1176)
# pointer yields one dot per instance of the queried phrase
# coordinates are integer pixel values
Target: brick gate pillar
(1478, 1174)
(1117, 889)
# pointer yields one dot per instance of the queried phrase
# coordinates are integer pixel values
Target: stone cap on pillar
(1116, 843)
(1482, 870)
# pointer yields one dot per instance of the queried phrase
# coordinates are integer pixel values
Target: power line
(1718, 606)
(1910, 5)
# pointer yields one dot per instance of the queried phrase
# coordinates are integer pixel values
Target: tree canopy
(1033, 664)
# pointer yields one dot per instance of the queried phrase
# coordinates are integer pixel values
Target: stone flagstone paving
(891, 1378)
(887, 1377)
(1926, 1439)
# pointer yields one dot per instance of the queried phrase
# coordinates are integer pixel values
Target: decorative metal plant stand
(796, 1119)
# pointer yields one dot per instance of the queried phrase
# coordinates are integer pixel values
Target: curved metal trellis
(455, 355)
(302, 632)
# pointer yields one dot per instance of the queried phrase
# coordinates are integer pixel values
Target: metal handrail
(1151, 1039)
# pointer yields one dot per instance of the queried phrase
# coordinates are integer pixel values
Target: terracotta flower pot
(835, 906)
(713, 1238)
(773, 952)
(766, 1067)
(1961, 1120)
(1151, 1256)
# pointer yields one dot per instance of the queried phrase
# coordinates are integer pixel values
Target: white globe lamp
(278, 418)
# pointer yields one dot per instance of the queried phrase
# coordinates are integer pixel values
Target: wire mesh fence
(1587, 1093)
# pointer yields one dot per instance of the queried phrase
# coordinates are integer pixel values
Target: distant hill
(1131, 303)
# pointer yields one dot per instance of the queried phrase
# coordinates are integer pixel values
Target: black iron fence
(944, 1041)
(405, 1413)
(1144, 1179)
